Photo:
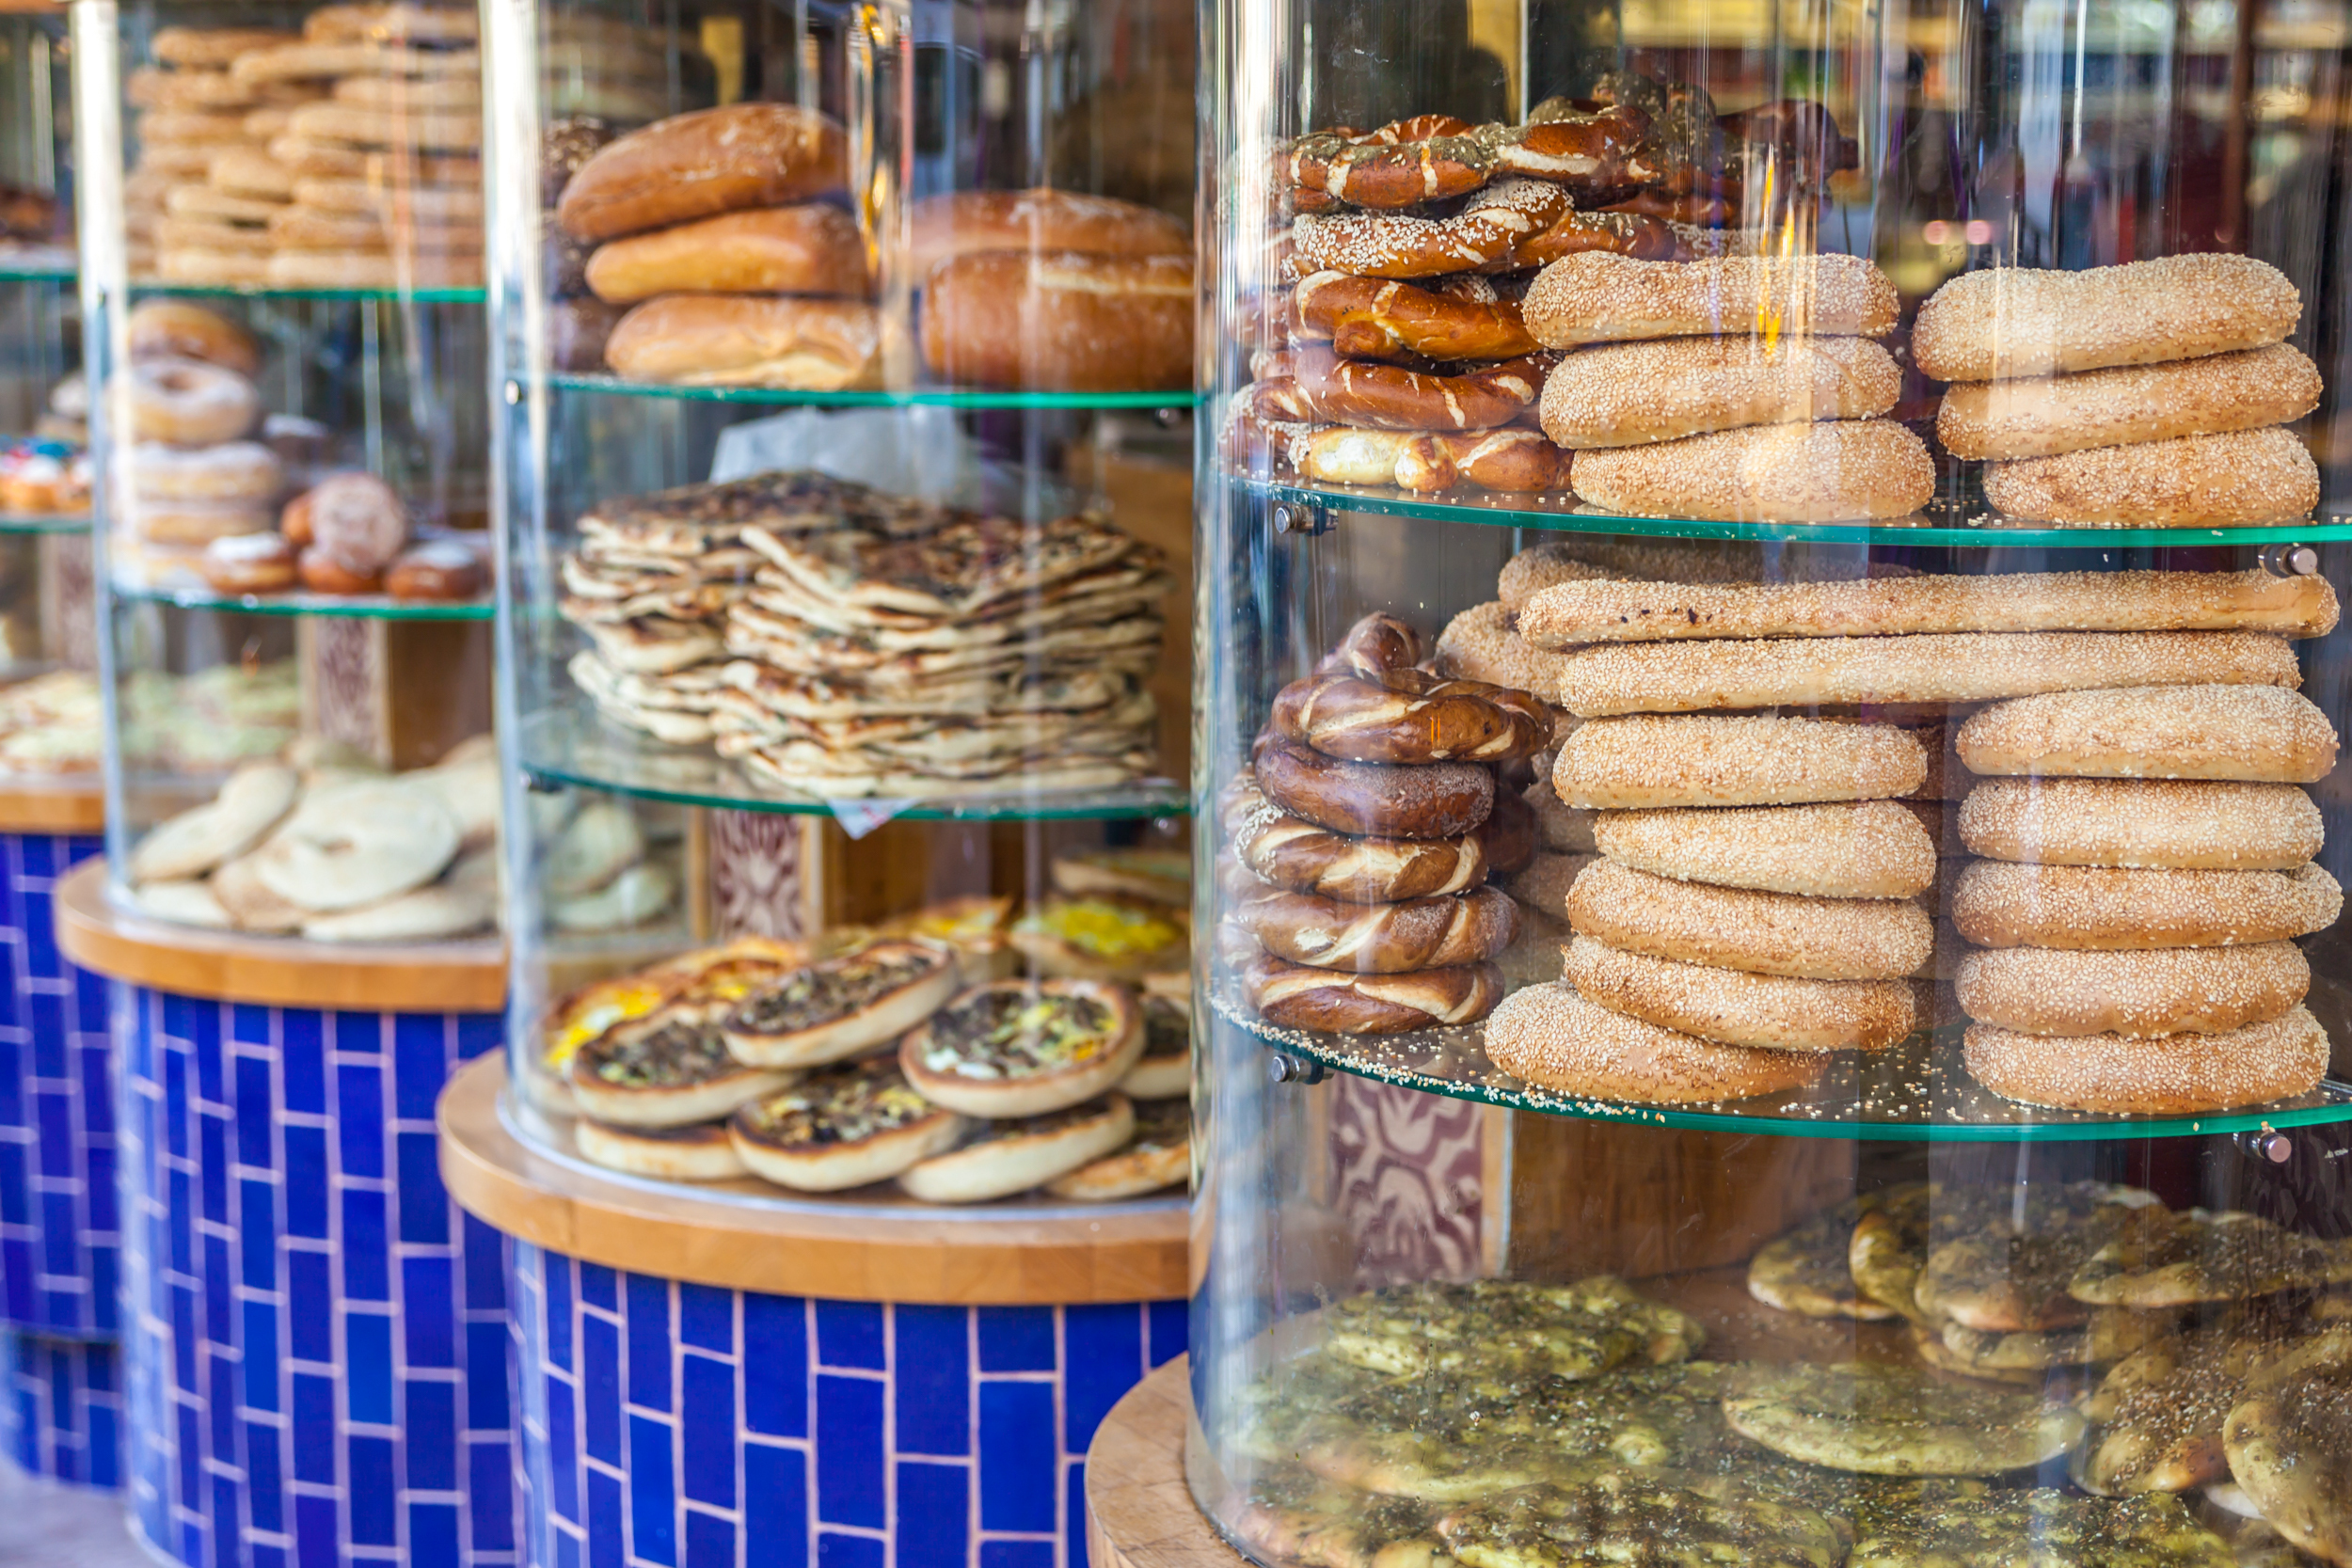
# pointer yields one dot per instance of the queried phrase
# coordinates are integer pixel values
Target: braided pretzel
(1405, 716)
(1431, 157)
(1294, 996)
(1519, 461)
(1624, 229)
(1437, 799)
(1380, 939)
(1300, 856)
(1371, 318)
(1375, 645)
(1483, 233)
(1391, 397)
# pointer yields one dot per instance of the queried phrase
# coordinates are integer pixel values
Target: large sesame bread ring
(1842, 471)
(1307, 858)
(1372, 318)
(1380, 939)
(1597, 297)
(2244, 477)
(189, 403)
(1405, 716)
(1626, 394)
(1959, 667)
(1998, 904)
(2161, 1075)
(1832, 849)
(1770, 1012)
(2023, 321)
(1763, 933)
(1559, 1040)
(1573, 610)
(1330, 1001)
(2045, 415)
(1479, 644)
(2162, 991)
(2257, 734)
(1482, 234)
(1644, 760)
(2153, 824)
(1438, 800)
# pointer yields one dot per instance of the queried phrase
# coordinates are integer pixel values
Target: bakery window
(1773, 974)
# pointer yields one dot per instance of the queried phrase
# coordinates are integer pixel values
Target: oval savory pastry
(703, 1153)
(2045, 1527)
(1002, 1158)
(1157, 1153)
(1161, 876)
(1805, 1270)
(975, 928)
(1897, 1421)
(1596, 1516)
(1507, 1327)
(2290, 1445)
(669, 1068)
(842, 1128)
(838, 1006)
(1022, 1048)
(1102, 939)
(588, 1012)
(2160, 1411)
(2169, 1259)
(1165, 1069)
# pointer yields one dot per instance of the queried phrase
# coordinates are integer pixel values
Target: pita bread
(951, 572)
(692, 518)
(753, 688)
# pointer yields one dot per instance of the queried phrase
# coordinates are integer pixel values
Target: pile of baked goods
(43, 477)
(327, 846)
(52, 723)
(212, 720)
(598, 866)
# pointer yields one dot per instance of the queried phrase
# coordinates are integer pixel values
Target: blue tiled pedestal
(701, 1385)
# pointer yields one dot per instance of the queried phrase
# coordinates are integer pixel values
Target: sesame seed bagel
(2257, 734)
(1599, 297)
(2247, 475)
(1996, 904)
(1763, 933)
(1777, 473)
(2148, 824)
(2030, 321)
(1559, 1040)
(2165, 1075)
(1639, 760)
(1858, 849)
(2042, 416)
(2137, 991)
(1480, 645)
(1769, 1012)
(1624, 394)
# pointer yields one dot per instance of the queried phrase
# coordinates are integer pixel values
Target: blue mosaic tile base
(61, 1407)
(58, 1269)
(690, 1427)
(316, 1340)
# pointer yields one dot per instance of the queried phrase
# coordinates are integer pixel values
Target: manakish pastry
(2256, 734)
(973, 926)
(1157, 1153)
(2109, 1333)
(2160, 1411)
(705, 1152)
(1805, 1270)
(1588, 1518)
(1000, 1158)
(1897, 1421)
(2179, 1259)
(1559, 1040)
(839, 1007)
(2290, 1447)
(1889, 1248)
(2153, 1075)
(1164, 1071)
(1573, 1331)
(2147, 1532)
(842, 1128)
(1019, 1048)
(1102, 939)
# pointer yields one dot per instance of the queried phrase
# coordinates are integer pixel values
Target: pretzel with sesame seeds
(1596, 154)
(1485, 234)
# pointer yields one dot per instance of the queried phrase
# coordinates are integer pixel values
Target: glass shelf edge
(150, 288)
(299, 605)
(941, 397)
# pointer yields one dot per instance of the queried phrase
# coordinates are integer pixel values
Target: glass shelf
(36, 272)
(373, 607)
(568, 745)
(1915, 1091)
(44, 522)
(917, 397)
(153, 289)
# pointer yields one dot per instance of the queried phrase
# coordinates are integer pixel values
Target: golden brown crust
(694, 165)
(1599, 298)
(750, 340)
(1307, 858)
(964, 222)
(1857, 850)
(1772, 1012)
(1763, 933)
(1626, 394)
(1438, 800)
(2152, 823)
(2168, 1075)
(1843, 471)
(2043, 416)
(1644, 760)
(2233, 479)
(2206, 991)
(808, 250)
(1061, 320)
(2021, 321)
(1559, 1040)
(1479, 644)
(1541, 566)
(1294, 996)
(1998, 904)
(2257, 734)
(1380, 939)
(1406, 716)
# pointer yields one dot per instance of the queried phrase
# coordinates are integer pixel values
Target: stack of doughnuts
(194, 470)
(2156, 394)
(1366, 837)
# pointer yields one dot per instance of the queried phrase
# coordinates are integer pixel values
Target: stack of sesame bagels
(2152, 394)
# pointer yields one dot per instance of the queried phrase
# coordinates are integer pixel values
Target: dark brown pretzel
(1374, 645)
(1623, 230)
(1438, 800)
(1371, 318)
(1379, 939)
(1294, 996)
(1589, 152)
(1489, 227)
(1391, 397)
(1301, 856)
(1406, 716)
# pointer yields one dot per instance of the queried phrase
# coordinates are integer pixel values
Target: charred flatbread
(1024, 1048)
(838, 1006)
(842, 1128)
(653, 645)
(997, 1159)
(957, 569)
(689, 519)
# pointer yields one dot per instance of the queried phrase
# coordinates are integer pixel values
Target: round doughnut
(196, 522)
(1380, 939)
(1998, 904)
(190, 404)
(1509, 834)
(2233, 479)
(1367, 393)
(232, 472)
(1763, 933)
(249, 564)
(1766, 1012)
(2148, 824)
(1842, 471)
(1860, 849)
(1960, 667)
(1405, 716)
(1641, 760)
(1483, 233)
(358, 520)
(1559, 1040)
(1306, 858)
(1597, 297)
(322, 572)
(2159, 1075)
(444, 571)
(1371, 318)
(1438, 800)
(2256, 734)
(175, 329)
(2005, 322)
(2137, 991)
(1294, 996)
(2044, 417)
(1626, 394)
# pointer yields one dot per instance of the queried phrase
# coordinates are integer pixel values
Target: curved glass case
(843, 468)
(1772, 985)
(281, 233)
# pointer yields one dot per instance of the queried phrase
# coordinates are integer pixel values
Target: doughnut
(809, 249)
(1860, 849)
(1294, 996)
(1999, 904)
(244, 471)
(1483, 233)
(1956, 667)
(960, 222)
(2146, 991)
(1766, 1012)
(1438, 800)
(2256, 734)
(1777, 473)
(1762, 933)
(1627, 394)
(698, 164)
(1380, 939)
(2042, 416)
(1375, 645)
(249, 564)
(1597, 297)
(190, 404)
(1367, 393)
(1508, 833)
(2007, 322)
(1597, 153)
(1566, 612)
(322, 572)
(2144, 823)
(1557, 1039)
(1059, 321)
(1642, 760)
(1480, 645)
(175, 329)
(2156, 1075)
(196, 522)
(1372, 318)
(2245, 477)
(358, 521)
(1514, 461)
(443, 571)
(1305, 858)
(1403, 716)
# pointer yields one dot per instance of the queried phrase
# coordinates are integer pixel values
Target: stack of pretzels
(1365, 835)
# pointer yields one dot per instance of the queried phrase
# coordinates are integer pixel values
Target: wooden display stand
(1140, 1512)
(64, 803)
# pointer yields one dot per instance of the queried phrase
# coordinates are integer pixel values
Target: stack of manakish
(2152, 394)
(1782, 848)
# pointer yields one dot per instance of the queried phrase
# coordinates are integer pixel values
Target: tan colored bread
(2137, 991)
(1845, 850)
(2147, 824)
(698, 164)
(1626, 394)
(1379, 939)
(1060, 321)
(1645, 760)
(448, 132)
(1999, 904)
(1296, 996)
(1763, 933)
(2257, 734)
(809, 249)
(823, 345)
(1597, 296)
(2167, 1075)
(1559, 1040)
(1769, 1012)
(2246, 477)
(1479, 644)
(2020, 321)
(964, 222)
(2045, 415)
(1847, 471)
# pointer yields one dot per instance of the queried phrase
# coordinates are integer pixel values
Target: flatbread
(952, 570)
(2160, 1412)
(1597, 1517)
(2169, 1259)
(653, 645)
(2290, 1445)
(2045, 1527)
(1807, 1270)
(1567, 1331)
(1897, 1421)
(757, 689)
(689, 519)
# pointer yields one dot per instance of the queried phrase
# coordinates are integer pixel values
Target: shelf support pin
(1307, 518)
(2268, 1145)
(2289, 561)
(1283, 1068)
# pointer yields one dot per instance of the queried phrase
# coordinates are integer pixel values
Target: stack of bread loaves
(2154, 394)
(1366, 838)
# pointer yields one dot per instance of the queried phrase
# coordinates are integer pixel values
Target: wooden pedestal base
(1139, 1512)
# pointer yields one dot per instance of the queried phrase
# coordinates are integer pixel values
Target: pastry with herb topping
(1807, 1270)
(1165, 1069)
(1103, 939)
(1157, 1154)
(1508, 1327)
(2038, 1529)
(1898, 1421)
(669, 1068)
(2290, 1445)
(2177, 1260)
(997, 1159)
(842, 1128)
(1625, 1517)
(1022, 1047)
(838, 1006)
(973, 927)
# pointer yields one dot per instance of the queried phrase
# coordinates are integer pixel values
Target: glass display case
(1770, 983)
(844, 477)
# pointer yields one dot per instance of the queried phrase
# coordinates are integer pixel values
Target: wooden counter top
(57, 803)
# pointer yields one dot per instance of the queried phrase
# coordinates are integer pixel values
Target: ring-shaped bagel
(1763, 933)
(1998, 904)
(1769, 1012)
(2254, 734)
(1832, 849)
(2160, 1075)
(2135, 991)
(1643, 760)
(2155, 824)
(1560, 1041)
